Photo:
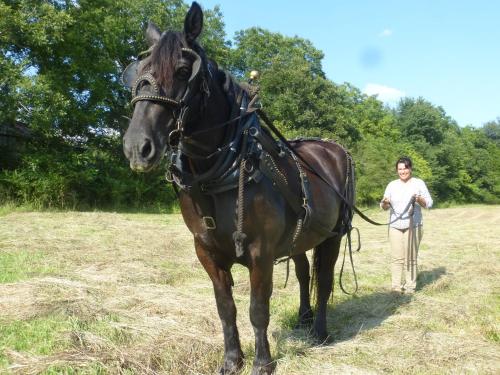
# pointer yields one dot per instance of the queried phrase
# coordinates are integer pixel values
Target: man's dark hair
(404, 160)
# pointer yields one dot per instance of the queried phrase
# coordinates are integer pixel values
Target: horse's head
(168, 88)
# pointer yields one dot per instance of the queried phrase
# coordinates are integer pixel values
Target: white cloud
(386, 33)
(384, 93)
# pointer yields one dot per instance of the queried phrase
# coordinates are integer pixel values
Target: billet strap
(269, 168)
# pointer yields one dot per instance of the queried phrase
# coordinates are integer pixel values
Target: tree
(259, 49)
(492, 130)
(418, 119)
(294, 90)
(64, 59)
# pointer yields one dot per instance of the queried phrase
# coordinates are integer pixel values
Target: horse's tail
(325, 254)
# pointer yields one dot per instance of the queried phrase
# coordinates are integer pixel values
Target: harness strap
(270, 170)
(412, 242)
(268, 167)
(306, 193)
(348, 244)
(238, 236)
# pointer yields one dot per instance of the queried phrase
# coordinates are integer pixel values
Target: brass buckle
(209, 222)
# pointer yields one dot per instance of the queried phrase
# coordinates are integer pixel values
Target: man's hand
(385, 203)
(420, 200)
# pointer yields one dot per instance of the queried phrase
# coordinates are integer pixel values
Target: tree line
(60, 67)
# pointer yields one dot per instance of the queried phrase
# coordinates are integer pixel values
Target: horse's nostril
(147, 149)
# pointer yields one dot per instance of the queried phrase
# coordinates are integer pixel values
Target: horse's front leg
(261, 282)
(222, 283)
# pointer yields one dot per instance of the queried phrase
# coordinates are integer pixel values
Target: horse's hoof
(322, 338)
(305, 320)
(266, 369)
(231, 367)
(229, 370)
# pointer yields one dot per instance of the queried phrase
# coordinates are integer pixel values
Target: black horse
(246, 197)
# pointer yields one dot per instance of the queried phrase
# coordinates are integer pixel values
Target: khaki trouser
(404, 260)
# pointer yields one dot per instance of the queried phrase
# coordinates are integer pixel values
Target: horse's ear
(153, 34)
(193, 22)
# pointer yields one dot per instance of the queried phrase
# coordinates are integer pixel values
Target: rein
(176, 139)
(353, 207)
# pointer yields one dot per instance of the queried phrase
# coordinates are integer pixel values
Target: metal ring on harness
(174, 138)
(253, 131)
(249, 167)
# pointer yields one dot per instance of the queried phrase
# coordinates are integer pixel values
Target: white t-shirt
(399, 194)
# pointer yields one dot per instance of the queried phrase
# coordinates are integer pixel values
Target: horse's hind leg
(325, 256)
(222, 283)
(302, 273)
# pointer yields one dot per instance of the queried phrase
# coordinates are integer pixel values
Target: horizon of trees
(60, 67)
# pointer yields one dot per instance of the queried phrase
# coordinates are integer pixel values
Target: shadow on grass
(351, 316)
(425, 278)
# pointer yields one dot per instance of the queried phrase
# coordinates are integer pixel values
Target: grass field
(99, 293)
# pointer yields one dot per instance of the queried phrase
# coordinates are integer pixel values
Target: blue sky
(447, 51)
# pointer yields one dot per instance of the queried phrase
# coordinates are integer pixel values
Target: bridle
(180, 107)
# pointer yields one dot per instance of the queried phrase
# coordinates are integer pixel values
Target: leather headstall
(131, 78)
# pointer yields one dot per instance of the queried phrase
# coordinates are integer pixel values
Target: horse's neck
(218, 111)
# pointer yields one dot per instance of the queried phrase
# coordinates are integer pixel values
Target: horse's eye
(183, 73)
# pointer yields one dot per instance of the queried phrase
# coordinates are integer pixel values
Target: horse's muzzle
(142, 154)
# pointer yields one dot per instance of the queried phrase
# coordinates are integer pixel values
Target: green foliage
(83, 178)
(373, 168)
(260, 49)
(61, 63)
(419, 120)
(492, 130)
(459, 164)
(294, 90)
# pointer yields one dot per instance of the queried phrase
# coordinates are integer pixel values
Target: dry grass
(94, 293)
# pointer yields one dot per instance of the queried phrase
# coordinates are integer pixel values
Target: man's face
(404, 172)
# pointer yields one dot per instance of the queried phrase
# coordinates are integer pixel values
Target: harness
(247, 154)
(180, 106)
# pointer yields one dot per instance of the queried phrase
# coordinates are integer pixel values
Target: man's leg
(396, 239)
(411, 268)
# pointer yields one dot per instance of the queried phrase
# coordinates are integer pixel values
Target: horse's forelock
(164, 57)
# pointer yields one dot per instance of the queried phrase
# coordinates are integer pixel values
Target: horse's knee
(259, 314)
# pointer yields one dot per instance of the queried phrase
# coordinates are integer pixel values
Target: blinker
(130, 74)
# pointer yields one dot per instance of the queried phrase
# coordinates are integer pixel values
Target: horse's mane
(229, 85)
(233, 89)
(163, 60)
(168, 51)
